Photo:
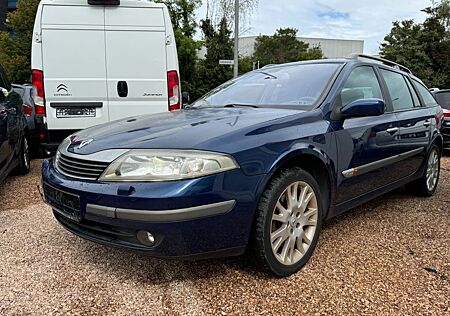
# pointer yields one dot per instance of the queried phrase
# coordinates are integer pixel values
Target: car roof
(354, 59)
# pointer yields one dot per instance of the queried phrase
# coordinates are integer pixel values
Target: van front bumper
(198, 218)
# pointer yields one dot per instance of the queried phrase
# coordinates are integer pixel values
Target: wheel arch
(314, 161)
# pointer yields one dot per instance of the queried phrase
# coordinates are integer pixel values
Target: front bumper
(205, 217)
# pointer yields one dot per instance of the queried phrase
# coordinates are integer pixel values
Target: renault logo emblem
(85, 143)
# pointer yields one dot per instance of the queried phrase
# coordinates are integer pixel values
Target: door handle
(427, 123)
(122, 89)
(392, 130)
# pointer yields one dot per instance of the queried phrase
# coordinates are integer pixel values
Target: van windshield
(295, 86)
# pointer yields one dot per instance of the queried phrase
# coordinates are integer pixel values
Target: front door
(367, 146)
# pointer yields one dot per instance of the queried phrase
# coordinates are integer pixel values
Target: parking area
(390, 257)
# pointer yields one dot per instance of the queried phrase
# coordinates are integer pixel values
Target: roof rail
(382, 61)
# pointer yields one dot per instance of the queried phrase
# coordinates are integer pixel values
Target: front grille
(79, 168)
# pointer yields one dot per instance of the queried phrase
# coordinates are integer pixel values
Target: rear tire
(286, 233)
(426, 186)
(24, 158)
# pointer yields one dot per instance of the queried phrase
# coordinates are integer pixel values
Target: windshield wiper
(237, 105)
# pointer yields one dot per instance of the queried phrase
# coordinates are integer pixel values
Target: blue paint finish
(262, 141)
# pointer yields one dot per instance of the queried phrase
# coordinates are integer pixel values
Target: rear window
(297, 86)
(443, 98)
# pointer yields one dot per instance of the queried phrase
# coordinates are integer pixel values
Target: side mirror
(185, 99)
(363, 108)
(4, 94)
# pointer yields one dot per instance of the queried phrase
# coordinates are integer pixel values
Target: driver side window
(361, 84)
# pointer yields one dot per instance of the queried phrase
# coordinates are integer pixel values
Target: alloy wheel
(432, 170)
(26, 153)
(294, 223)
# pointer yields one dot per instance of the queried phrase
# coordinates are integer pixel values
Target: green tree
(219, 45)
(424, 47)
(283, 47)
(15, 43)
(182, 14)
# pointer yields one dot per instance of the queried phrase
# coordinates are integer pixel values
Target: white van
(95, 61)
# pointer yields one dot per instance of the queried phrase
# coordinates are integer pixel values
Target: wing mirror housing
(363, 108)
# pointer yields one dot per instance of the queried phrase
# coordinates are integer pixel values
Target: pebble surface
(390, 256)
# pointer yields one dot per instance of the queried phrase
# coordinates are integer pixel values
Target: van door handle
(392, 130)
(122, 89)
(427, 123)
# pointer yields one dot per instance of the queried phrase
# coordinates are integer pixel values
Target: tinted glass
(4, 83)
(426, 95)
(443, 99)
(398, 90)
(361, 84)
(413, 93)
(296, 86)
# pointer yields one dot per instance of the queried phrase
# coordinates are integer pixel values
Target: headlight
(166, 165)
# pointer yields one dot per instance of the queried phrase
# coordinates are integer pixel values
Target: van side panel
(136, 56)
(73, 49)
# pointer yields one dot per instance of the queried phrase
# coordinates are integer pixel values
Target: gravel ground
(387, 257)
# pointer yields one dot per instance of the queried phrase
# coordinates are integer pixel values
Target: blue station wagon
(256, 165)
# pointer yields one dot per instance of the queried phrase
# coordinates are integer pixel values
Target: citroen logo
(84, 143)
(62, 87)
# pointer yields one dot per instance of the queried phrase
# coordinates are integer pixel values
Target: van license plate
(75, 112)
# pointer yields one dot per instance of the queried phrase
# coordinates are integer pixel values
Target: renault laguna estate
(256, 165)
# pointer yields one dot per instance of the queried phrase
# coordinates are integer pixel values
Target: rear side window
(443, 99)
(413, 93)
(361, 84)
(398, 89)
(426, 95)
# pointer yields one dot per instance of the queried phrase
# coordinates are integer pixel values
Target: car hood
(201, 129)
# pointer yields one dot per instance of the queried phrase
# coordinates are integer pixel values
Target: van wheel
(427, 184)
(288, 222)
(24, 158)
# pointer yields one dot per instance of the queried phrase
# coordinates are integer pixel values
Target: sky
(365, 20)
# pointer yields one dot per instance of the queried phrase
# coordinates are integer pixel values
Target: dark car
(34, 120)
(14, 152)
(257, 164)
(443, 98)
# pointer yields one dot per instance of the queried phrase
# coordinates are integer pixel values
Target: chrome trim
(102, 156)
(380, 164)
(177, 215)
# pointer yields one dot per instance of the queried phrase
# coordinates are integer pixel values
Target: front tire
(426, 186)
(288, 222)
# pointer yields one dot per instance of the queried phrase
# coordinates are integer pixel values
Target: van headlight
(166, 165)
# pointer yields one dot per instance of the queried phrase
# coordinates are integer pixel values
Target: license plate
(75, 112)
(67, 204)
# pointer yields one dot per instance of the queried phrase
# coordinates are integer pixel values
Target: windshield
(296, 86)
(443, 98)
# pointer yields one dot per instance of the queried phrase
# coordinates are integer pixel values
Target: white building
(331, 48)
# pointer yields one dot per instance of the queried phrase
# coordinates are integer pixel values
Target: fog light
(146, 238)
(150, 238)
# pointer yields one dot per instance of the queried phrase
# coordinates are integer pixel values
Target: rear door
(414, 121)
(136, 60)
(73, 53)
